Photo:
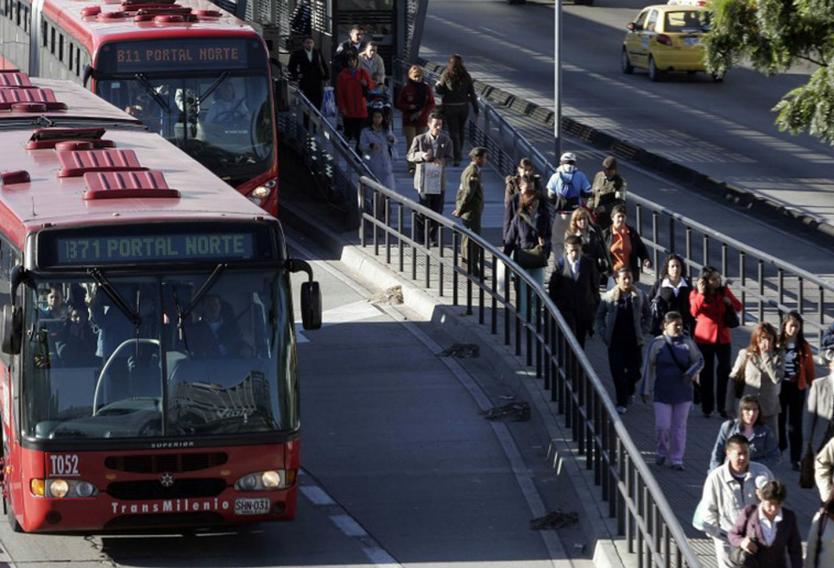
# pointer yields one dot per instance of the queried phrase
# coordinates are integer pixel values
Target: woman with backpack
(672, 366)
(671, 293)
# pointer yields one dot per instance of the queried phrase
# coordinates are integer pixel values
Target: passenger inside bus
(55, 307)
(215, 333)
(226, 108)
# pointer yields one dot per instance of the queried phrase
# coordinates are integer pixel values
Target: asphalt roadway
(725, 130)
(400, 468)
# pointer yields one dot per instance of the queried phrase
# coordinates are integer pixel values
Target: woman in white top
(376, 145)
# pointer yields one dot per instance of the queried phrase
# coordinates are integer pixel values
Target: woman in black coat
(671, 293)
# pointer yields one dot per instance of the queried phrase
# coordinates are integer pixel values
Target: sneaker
(622, 410)
(660, 460)
(678, 467)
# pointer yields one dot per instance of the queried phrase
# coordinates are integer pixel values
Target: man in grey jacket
(728, 489)
(817, 422)
(431, 152)
(623, 317)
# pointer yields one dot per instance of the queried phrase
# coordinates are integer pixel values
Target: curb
(716, 189)
(561, 456)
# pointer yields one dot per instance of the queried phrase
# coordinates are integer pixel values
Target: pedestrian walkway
(493, 216)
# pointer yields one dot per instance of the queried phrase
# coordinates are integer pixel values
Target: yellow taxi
(666, 37)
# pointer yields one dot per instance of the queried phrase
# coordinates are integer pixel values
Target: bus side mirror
(310, 294)
(632, 27)
(311, 305)
(87, 73)
(12, 330)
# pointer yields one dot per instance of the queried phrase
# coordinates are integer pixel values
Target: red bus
(191, 72)
(147, 335)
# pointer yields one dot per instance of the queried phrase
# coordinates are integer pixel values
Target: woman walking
(416, 103)
(799, 374)
(376, 145)
(767, 534)
(672, 365)
(512, 184)
(582, 226)
(762, 440)
(671, 292)
(458, 92)
(709, 303)
(527, 235)
(759, 367)
(351, 86)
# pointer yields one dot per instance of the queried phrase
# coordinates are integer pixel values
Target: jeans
(790, 419)
(670, 428)
(625, 362)
(714, 389)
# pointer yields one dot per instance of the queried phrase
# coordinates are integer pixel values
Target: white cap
(568, 157)
(761, 481)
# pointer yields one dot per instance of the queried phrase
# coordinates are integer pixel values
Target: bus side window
(52, 40)
(8, 259)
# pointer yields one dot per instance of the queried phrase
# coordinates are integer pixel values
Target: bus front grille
(153, 489)
(161, 463)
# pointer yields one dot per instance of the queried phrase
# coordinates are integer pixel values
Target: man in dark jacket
(624, 245)
(307, 66)
(609, 189)
(574, 289)
(354, 44)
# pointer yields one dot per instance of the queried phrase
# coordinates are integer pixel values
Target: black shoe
(722, 414)
(707, 414)
(795, 466)
(457, 163)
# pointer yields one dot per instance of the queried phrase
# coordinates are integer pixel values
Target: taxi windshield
(163, 356)
(221, 119)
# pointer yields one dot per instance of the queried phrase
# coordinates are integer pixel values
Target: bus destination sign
(135, 56)
(90, 250)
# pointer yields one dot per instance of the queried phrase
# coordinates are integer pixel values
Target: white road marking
(317, 496)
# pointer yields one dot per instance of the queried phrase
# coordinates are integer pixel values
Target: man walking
(354, 44)
(574, 288)
(609, 189)
(431, 152)
(307, 66)
(622, 319)
(469, 203)
(728, 490)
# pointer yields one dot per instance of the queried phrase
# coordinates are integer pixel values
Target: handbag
(731, 318)
(533, 257)
(806, 468)
(740, 557)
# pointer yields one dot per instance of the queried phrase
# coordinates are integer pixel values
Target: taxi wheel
(625, 63)
(655, 74)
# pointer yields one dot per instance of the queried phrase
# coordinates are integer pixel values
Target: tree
(774, 35)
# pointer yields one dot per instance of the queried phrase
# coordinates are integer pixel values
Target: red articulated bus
(191, 72)
(147, 335)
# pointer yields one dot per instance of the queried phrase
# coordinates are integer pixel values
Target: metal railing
(768, 287)
(513, 304)
(506, 298)
(333, 162)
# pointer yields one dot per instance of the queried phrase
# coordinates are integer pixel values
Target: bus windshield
(221, 119)
(164, 356)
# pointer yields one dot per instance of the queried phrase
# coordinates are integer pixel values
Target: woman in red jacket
(708, 304)
(416, 102)
(352, 84)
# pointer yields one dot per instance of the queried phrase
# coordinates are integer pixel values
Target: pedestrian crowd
(671, 345)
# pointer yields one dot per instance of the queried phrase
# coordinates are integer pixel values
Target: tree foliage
(774, 35)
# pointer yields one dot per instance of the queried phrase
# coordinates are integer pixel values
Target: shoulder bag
(738, 379)
(532, 257)
(740, 557)
(730, 316)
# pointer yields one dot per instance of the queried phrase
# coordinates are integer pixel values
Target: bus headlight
(263, 481)
(260, 193)
(62, 488)
(57, 488)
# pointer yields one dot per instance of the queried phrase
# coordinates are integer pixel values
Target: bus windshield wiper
(146, 84)
(223, 76)
(115, 297)
(183, 313)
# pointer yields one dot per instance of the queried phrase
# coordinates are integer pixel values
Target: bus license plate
(252, 506)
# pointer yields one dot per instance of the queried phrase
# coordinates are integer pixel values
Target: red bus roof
(110, 155)
(96, 29)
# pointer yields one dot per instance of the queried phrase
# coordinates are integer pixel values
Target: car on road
(664, 38)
